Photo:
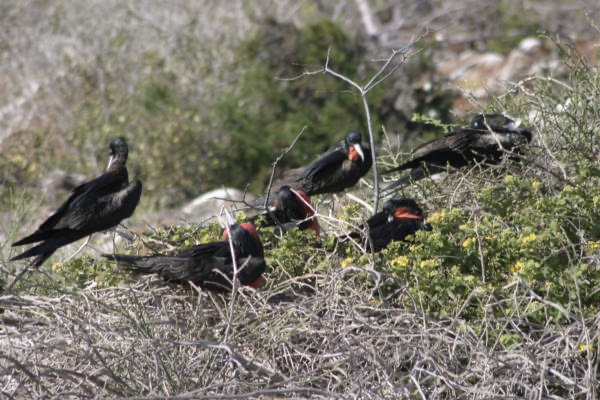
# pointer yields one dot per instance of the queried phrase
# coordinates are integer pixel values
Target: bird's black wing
(112, 208)
(221, 249)
(328, 160)
(79, 208)
(172, 268)
(96, 199)
(205, 271)
(440, 151)
(437, 151)
(384, 234)
(378, 219)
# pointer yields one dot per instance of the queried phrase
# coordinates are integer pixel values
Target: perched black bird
(92, 207)
(292, 207)
(334, 171)
(486, 140)
(208, 265)
(399, 218)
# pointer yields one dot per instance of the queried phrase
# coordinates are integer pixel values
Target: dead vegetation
(331, 335)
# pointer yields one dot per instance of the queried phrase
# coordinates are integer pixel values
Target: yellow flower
(533, 306)
(400, 261)
(536, 184)
(585, 347)
(428, 263)
(436, 217)
(592, 246)
(468, 242)
(529, 238)
(517, 267)
(347, 261)
(509, 180)
(56, 266)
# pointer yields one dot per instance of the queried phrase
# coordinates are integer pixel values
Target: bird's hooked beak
(229, 217)
(229, 221)
(111, 159)
(359, 151)
(514, 124)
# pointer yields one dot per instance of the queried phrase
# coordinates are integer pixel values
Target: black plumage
(92, 207)
(487, 140)
(398, 219)
(291, 208)
(208, 265)
(339, 168)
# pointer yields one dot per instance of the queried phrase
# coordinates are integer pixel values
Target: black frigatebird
(399, 218)
(292, 207)
(334, 171)
(94, 206)
(486, 140)
(208, 265)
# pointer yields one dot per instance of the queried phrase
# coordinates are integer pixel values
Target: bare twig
(283, 153)
(389, 67)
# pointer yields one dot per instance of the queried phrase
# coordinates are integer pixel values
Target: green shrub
(81, 272)
(525, 233)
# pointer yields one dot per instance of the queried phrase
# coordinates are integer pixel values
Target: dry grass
(324, 336)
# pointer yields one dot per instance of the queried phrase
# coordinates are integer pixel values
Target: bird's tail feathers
(124, 258)
(41, 252)
(36, 236)
(163, 265)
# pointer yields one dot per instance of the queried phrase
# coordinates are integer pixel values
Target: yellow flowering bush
(519, 234)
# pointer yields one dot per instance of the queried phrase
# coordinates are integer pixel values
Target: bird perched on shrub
(292, 207)
(486, 140)
(208, 265)
(398, 219)
(94, 206)
(337, 169)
